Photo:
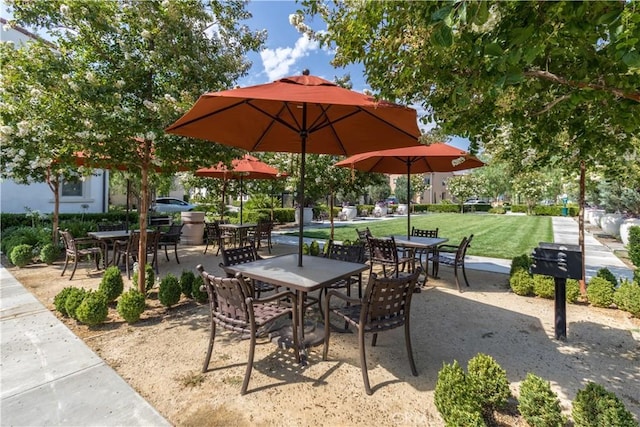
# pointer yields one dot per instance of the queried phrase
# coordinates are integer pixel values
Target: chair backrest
(349, 253)
(362, 236)
(383, 251)
(227, 300)
(69, 241)
(134, 242)
(387, 301)
(462, 248)
(212, 229)
(111, 227)
(418, 232)
(173, 233)
(153, 238)
(240, 255)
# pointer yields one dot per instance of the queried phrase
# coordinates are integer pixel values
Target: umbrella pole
(303, 135)
(408, 199)
(240, 199)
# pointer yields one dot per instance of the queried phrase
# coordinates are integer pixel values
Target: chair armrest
(447, 248)
(343, 297)
(276, 297)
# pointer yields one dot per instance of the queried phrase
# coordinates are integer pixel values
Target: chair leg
(166, 254)
(66, 262)
(247, 375)
(327, 330)
(212, 337)
(455, 273)
(374, 340)
(175, 251)
(464, 273)
(363, 361)
(75, 265)
(407, 338)
(206, 247)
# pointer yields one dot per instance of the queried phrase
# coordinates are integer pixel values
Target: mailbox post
(561, 262)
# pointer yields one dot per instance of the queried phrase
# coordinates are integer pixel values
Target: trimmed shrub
(305, 248)
(60, 300)
(93, 309)
(538, 404)
(596, 407)
(314, 248)
(21, 255)
(453, 396)
(169, 293)
(49, 253)
(605, 273)
(600, 292)
(149, 277)
(498, 210)
(544, 286)
(634, 245)
(521, 283)
(573, 291)
(200, 296)
(111, 284)
(488, 381)
(74, 298)
(186, 283)
(37, 237)
(521, 262)
(627, 297)
(131, 305)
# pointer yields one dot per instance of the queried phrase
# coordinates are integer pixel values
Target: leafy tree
(128, 69)
(531, 186)
(496, 176)
(546, 83)
(463, 187)
(417, 186)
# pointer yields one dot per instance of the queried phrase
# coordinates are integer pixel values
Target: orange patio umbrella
(300, 114)
(437, 157)
(248, 167)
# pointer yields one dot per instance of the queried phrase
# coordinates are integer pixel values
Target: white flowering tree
(462, 187)
(124, 70)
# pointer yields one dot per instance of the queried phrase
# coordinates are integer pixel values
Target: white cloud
(277, 62)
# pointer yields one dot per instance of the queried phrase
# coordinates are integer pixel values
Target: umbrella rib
(212, 113)
(327, 122)
(276, 118)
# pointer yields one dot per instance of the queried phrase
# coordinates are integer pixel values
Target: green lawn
(498, 236)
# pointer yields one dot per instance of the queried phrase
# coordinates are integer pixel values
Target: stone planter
(349, 213)
(307, 216)
(596, 214)
(380, 211)
(402, 209)
(193, 229)
(587, 214)
(610, 224)
(625, 226)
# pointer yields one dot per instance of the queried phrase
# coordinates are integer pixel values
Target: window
(71, 188)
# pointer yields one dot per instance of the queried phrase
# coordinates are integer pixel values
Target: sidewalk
(49, 377)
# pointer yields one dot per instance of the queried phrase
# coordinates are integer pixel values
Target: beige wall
(429, 196)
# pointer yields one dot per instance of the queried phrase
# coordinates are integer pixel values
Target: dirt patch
(161, 356)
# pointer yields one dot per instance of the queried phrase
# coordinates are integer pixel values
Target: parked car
(476, 201)
(391, 201)
(170, 204)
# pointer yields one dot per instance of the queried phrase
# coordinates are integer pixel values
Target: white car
(170, 204)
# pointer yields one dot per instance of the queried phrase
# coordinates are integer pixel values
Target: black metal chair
(262, 232)
(171, 238)
(75, 249)
(232, 306)
(129, 250)
(453, 256)
(386, 305)
(420, 253)
(349, 253)
(384, 252)
(215, 236)
(242, 255)
(362, 237)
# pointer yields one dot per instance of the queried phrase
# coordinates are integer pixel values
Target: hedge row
(8, 220)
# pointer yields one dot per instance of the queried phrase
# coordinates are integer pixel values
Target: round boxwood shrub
(93, 309)
(314, 248)
(111, 284)
(75, 297)
(573, 290)
(600, 292)
(488, 382)
(627, 297)
(605, 273)
(60, 300)
(521, 262)
(634, 245)
(544, 286)
(49, 253)
(21, 255)
(538, 404)
(149, 277)
(521, 283)
(169, 293)
(199, 295)
(131, 305)
(596, 407)
(186, 283)
(453, 396)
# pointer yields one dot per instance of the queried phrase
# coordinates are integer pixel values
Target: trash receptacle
(565, 211)
(193, 230)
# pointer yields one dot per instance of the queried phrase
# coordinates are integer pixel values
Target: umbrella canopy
(248, 167)
(298, 115)
(422, 159)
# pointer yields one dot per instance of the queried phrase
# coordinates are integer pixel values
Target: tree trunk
(583, 286)
(143, 210)
(54, 186)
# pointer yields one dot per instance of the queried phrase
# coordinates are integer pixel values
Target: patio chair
(362, 237)
(385, 253)
(215, 236)
(75, 249)
(349, 253)
(171, 238)
(233, 307)
(261, 232)
(386, 305)
(242, 255)
(111, 227)
(419, 253)
(452, 256)
(129, 250)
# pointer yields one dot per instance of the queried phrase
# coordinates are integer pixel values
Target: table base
(313, 336)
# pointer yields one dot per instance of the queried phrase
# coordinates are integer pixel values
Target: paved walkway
(50, 377)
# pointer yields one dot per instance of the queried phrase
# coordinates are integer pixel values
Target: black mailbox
(557, 260)
(562, 262)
